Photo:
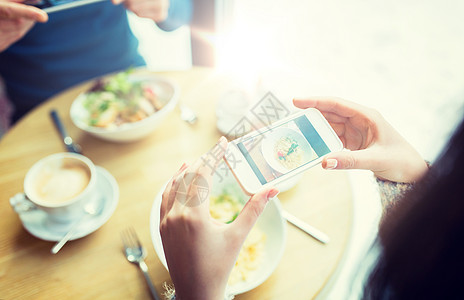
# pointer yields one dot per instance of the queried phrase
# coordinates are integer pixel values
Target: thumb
(360, 159)
(252, 210)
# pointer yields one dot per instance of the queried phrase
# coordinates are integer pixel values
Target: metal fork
(135, 253)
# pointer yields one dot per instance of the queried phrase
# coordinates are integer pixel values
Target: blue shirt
(75, 45)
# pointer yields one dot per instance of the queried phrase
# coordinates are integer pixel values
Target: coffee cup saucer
(37, 223)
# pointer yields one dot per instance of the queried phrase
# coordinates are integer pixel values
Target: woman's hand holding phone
(375, 145)
(201, 252)
(16, 19)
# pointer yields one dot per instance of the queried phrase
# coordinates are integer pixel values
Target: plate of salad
(125, 106)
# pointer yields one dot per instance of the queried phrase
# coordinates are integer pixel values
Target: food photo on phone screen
(282, 150)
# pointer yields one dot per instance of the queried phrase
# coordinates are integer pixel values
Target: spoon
(90, 209)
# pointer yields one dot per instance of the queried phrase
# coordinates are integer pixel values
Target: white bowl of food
(124, 107)
(263, 248)
(285, 149)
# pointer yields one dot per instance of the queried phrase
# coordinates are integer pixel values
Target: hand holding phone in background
(375, 145)
(16, 19)
(156, 10)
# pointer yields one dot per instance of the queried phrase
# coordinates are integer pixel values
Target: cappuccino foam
(61, 181)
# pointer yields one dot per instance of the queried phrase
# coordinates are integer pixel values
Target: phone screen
(280, 150)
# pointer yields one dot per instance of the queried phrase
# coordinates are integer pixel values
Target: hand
(200, 251)
(157, 10)
(375, 145)
(16, 19)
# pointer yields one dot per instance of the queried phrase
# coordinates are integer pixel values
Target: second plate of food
(124, 107)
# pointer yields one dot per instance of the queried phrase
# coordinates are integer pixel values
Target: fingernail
(272, 193)
(331, 164)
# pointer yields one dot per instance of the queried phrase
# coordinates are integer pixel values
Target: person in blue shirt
(42, 54)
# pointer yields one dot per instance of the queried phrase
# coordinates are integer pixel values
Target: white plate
(271, 223)
(37, 224)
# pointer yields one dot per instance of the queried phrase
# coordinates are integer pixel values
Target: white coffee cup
(60, 185)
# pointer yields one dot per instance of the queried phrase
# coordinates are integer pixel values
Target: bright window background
(162, 50)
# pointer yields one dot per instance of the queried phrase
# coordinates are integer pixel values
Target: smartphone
(57, 5)
(280, 151)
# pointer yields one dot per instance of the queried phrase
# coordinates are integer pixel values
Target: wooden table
(94, 267)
